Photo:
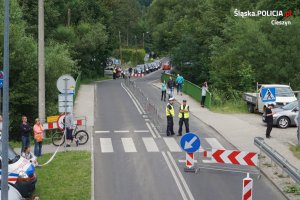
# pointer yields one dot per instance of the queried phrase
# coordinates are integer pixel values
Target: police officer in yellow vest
(184, 115)
(170, 114)
(114, 73)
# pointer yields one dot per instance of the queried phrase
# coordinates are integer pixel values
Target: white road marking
(138, 103)
(174, 176)
(208, 161)
(183, 161)
(172, 144)
(141, 131)
(102, 131)
(155, 130)
(145, 116)
(151, 131)
(132, 99)
(214, 143)
(150, 144)
(121, 131)
(187, 189)
(147, 120)
(106, 145)
(128, 145)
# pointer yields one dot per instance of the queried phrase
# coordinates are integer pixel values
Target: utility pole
(4, 154)
(41, 60)
(135, 50)
(120, 46)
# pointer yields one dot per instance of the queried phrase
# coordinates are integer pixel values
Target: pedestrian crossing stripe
(106, 144)
(268, 95)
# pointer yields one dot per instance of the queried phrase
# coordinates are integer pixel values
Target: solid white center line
(128, 145)
(150, 144)
(172, 144)
(121, 131)
(187, 189)
(106, 145)
(141, 131)
(174, 176)
(102, 131)
(151, 131)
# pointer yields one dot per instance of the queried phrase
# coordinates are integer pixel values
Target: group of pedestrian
(183, 116)
(38, 132)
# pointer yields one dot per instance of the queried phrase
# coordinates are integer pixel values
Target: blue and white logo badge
(190, 143)
(268, 94)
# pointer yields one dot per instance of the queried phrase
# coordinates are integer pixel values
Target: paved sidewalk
(83, 107)
(240, 132)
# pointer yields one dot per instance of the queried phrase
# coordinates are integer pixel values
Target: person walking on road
(130, 71)
(204, 91)
(38, 137)
(179, 82)
(171, 84)
(170, 115)
(114, 73)
(163, 91)
(184, 115)
(25, 131)
(269, 119)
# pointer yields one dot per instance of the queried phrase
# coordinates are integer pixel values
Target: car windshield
(12, 155)
(290, 106)
(284, 92)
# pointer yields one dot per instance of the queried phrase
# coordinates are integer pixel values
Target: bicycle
(82, 136)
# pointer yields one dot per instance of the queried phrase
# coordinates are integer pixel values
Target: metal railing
(283, 163)
(149, 107)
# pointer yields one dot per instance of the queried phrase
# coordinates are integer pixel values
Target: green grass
(294, 189)
(230, 107)
(91, 80)
(18, 144)
(296, 151)
(67, 177)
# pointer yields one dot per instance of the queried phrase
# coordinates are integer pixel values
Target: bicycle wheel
(58, 139)
(82, 136)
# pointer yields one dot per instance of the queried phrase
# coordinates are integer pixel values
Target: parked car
(21, 172)
(13, 193)
(285, 116)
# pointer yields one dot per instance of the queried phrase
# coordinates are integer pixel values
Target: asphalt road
(132, 161)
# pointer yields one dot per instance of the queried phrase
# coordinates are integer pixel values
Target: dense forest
(206, 40)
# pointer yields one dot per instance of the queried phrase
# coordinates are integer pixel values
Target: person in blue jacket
(179, 83)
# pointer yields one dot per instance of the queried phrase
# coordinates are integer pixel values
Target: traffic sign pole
(66, 99)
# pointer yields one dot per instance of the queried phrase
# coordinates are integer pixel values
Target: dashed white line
(141, 131)
(214, 143)
(155, 130)
(102, 131)
(121, 131)
(172, 144)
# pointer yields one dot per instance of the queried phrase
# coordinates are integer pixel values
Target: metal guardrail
(292, 171)
(145, 103)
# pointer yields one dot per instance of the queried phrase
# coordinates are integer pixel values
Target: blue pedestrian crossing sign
(268, 94)
(190, 142)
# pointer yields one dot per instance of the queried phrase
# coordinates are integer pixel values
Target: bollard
(247, 188)
(189, 163)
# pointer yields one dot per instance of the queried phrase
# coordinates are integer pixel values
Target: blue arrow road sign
(1, 83)
(190, 143)
(268, 94)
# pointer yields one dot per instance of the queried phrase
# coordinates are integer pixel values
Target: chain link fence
(148, 106)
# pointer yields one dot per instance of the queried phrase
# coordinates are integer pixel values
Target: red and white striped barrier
(189, 161)
(247, 188)
(53, 125)
(234, 157)
(138, 75)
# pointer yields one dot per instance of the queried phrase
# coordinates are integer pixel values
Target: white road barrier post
(247, 188)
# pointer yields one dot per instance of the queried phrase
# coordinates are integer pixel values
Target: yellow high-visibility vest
(186, 115)
(170, 112)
